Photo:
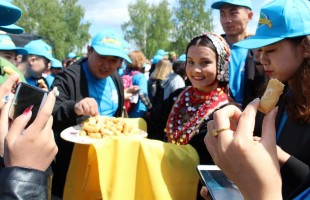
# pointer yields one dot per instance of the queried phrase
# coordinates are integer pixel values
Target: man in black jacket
(89, 87)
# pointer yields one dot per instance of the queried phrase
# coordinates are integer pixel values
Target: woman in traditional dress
(178, 119)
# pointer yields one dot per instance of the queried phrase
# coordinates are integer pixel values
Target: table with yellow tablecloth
(125, 167)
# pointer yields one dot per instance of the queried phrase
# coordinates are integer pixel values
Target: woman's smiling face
(201, 68)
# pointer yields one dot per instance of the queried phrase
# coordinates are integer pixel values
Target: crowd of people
(213, 87)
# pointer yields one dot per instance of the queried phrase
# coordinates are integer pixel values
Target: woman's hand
(34, 147)
(6, 97)
(242, 158)
(205, 193)
(6, 87)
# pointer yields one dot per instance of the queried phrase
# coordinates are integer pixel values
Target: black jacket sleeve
(22, 183)
(294, 172)
(72, 86)
(302, 187)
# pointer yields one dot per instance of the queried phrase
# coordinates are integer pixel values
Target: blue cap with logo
(12, 29)
(56, 63)
(6, 44)
(40, 48)
(9, 14)
(108, 43)
(279, 20)
(162, 52)
(244, 3)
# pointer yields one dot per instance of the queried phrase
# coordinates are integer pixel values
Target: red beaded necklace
(189, 111)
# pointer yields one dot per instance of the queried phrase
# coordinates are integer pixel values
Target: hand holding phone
(27, 95)
(219, 186)
(33, 147)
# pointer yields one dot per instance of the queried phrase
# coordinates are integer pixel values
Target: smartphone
(219, 186)
(25, 96)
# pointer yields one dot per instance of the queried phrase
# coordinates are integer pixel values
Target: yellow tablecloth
(132, 168)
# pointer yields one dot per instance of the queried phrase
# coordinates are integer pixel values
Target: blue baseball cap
(279, 20)
(56, 63)
(14, 29)
(162, 52)
(7, 44)
(71, 55)
(40, 48)
(108, 43)
(45, 45)
(156, 59)
(243, 3)
(182, 58)
(9, 14)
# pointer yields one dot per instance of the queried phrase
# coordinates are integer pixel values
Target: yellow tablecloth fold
(132, 168)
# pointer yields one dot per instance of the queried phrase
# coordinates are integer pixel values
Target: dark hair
(179, 68)
(68, 62)
(204, 40)
(298, 101)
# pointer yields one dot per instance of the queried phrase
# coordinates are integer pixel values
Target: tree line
(59, 22)
(152, 27)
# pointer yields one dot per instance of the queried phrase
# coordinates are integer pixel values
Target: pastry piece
(8, 70)
(42, 84)
(107, 126)
(94, 135)
(271, 96)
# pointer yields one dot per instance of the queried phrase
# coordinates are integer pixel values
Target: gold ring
(215, 132)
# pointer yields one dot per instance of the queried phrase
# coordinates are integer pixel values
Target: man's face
(10, 56)
(234, 19)
(38, 64)
(102, 66)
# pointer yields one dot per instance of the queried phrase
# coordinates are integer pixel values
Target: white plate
(72, 134)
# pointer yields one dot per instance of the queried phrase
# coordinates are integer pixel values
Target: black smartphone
(25, 96)
(219, 186)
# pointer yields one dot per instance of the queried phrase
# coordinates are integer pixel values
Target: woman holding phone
(27, 153)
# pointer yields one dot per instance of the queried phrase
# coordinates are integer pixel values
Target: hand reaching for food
(87, 107)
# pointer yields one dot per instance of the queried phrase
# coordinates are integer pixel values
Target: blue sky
(107, 14)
